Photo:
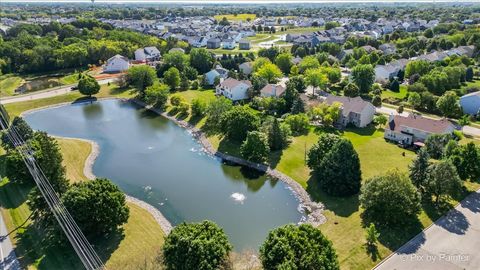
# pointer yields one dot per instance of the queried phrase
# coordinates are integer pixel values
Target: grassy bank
(139, 242)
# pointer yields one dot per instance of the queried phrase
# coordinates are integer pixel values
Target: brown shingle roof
(420, 123)
(231, 83)
(356, 104)
(272, 90)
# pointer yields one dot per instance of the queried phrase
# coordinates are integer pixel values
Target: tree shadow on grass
(194, 120)
(366, 131)
(12, 195)
(393, 237)
(274, 158)
(107, 245)
(229, 147)
(372, 251)
(341, 206)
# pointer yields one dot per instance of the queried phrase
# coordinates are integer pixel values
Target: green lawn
(15, 109)
(69, 79)
(301, 30)
(138, 243)
(236, 17)
(8, 84)
(397, 95)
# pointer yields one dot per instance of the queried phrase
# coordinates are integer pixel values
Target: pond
(153, 159)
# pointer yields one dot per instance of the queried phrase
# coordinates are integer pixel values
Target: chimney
(390, 117)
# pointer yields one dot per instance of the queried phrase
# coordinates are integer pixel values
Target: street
(8, 259)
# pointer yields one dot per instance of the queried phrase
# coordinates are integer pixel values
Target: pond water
(153, 159)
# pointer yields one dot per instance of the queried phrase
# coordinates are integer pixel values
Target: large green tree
(255, 147)
(448, 104)
(88, 86)
(419, 169)
(269, 72)
(443, 180)
(201, 59)
(238, 121)
(363, 76)
(202, 246)
(215, 111)
(284, 62)
(172, 78)
(390, 199)
(298, 247)
(141, 77)
(97, 206)
(157, 95)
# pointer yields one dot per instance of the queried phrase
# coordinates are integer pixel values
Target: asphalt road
(46, 93)
(8, 259)
(453, 242)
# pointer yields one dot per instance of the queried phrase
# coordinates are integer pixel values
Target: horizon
(242, 2)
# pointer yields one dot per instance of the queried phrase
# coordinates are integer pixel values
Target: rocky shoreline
(313, 210)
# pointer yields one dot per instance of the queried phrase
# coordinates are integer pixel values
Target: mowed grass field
(138, 243)
(236, 17)
(8, 84)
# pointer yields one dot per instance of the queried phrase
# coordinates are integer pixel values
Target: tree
(278, 135)
(377, 101)
(270, 72)
(201, 59)
(176, 100)
(198, 107)
(415, 100)
(363, 76)
(298, 247)
(469, 74)
(176, 59)
(259, 63)
(372, 235)
(442, 180)
(21, 127)
(420, 67)
(157, 95)
(418, 169)
(172, 78)
(238, 121)
(98, 206)
(395, 86)
(141, 77)
(336, 166)
(448, 104)
(316, 78)
(297, 82)
(390, 199)
(255, 147)
(284, 62)
(380, 120)
(435, 144)
(298, 106)
(215, 110)
(299, 123)
(88, 86)
(308, 62)
(470, 154)
(47, 153)
(351, 90)
(290, 95)
(202, 246)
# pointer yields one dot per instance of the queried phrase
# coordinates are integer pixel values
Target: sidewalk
(8, 259)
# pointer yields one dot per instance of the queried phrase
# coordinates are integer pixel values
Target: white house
(116, 63)
(471, 103)
(233, 89)
(355, 111)
(229, 44)
(414, 128)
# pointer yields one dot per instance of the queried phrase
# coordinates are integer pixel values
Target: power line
(80, 244)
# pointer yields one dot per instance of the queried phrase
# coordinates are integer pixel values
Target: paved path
(453, 242)
(46, 93)
(8, 259)
(468, 130)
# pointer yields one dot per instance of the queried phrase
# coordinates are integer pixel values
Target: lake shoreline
(312, 210)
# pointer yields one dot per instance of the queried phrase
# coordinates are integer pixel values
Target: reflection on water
(153, 159)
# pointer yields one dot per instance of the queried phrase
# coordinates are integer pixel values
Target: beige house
(415, 128)
(355, 111)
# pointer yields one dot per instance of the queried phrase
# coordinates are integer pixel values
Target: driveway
(46, 93)
(452, 242)
(8, 259)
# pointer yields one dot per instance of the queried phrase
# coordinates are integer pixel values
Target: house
(246, 68)
(147, 54)
(244, 44)
(355, 111)
(116, 64)
(414, 128)
(213, 43)
(229, 44)
(199, 42)
(218, 71)
(383, 73)
(176, 50)
(272, 90)
(387, 48)
(471, 103)
(233, 89)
